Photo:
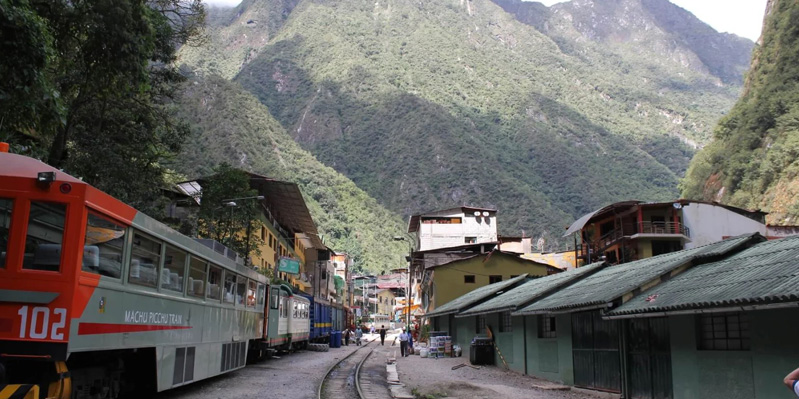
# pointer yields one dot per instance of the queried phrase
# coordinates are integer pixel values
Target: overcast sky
(742, 17)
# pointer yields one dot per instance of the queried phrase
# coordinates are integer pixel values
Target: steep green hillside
(234, 36)
(446, 102)
(754, 159)
(655, 33)
(230, 125)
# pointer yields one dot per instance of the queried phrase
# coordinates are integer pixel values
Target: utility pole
(409, 291)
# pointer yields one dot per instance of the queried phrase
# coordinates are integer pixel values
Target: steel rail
(331, 368)
(358, 374)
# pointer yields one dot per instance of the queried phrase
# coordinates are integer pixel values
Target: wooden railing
(629, 229)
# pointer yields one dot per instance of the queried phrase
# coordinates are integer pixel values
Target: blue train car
(321, 320)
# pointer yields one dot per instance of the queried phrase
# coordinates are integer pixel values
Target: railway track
(342, 380)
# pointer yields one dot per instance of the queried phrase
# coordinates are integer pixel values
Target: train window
(241, 290)
(102, 250)
(145, 257)
(174, 267)
(214, 287)
(274, 297)
(6, 205)
(196, 277)
(230, 287)
(261, 293)
(251, 293)
(45, 235)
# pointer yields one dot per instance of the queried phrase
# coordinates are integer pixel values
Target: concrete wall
(756, 373)
(710, 223)
(550, 358)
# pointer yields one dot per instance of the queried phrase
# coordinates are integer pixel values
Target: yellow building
(562, 260)
(386, 302)
(445, 282)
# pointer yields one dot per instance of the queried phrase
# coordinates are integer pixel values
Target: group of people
(405, 338)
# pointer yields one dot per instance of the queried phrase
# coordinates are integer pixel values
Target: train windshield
(6, 206)
(102, 253)
(44, 236)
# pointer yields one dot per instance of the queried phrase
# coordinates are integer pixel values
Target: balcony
(637, 230)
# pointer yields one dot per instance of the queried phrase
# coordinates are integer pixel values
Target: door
(649, 358)
(595, 348)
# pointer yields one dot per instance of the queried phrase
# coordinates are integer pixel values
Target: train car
(288, 320)
(97, 299)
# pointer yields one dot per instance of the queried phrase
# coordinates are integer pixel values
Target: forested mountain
(430, 104)
(753, 160)
(230, 125)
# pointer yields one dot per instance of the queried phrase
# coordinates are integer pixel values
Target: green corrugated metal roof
(530, 290)
(766, 273)
(613, 282)
(475, 296)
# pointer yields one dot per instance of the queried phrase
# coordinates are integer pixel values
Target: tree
(102, 69)
(220, 220)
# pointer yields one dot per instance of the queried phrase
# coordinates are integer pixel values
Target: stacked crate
(440, 346)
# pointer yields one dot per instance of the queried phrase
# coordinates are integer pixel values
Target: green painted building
(718, 321)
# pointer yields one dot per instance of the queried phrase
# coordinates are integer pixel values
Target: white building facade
(453, 227)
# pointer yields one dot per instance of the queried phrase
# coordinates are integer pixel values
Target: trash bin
(338, 339)
(481, 351)
(335, 339)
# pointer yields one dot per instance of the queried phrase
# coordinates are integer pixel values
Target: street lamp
(408, 292)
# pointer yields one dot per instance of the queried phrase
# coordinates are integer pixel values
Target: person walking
(347, 337)
(382, 335)
(404, 343)
(358, 335)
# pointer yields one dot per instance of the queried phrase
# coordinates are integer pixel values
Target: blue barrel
(333, 339)
(338, 339)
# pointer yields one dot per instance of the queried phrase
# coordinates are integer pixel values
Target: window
(102, 250)
(214, 288)
(172, 272)
(229, 293)
(6, 206)
(263, 233)
(274, 298)
(241, 290)
(45, 235)
(480, 326)
(547, 327)
(144, 259)
(505, 322)
(251, 293)
(470, 240)
(468, 279)
(723, 331)
(261, 294)
(196, 277)
(494, 279)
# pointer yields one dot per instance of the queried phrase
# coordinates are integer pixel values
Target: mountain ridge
(446, 103)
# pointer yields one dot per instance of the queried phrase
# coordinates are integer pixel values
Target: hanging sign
(288, 265)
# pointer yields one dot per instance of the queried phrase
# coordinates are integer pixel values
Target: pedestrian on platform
(382, 335)
(404, 343)
(358, 335)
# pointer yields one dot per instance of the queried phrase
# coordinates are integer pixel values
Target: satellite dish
(677, 205)
(476, 213)
(485, 213)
